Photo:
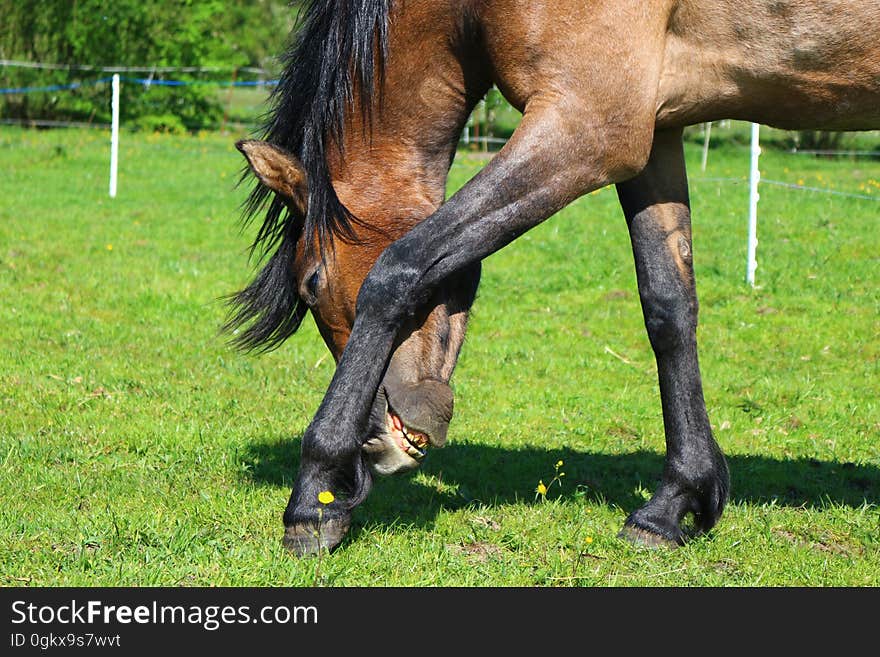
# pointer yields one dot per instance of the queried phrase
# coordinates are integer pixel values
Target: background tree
(232, 34)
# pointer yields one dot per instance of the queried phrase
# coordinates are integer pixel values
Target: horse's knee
(670, 318)
(390, 291)
(667, 291)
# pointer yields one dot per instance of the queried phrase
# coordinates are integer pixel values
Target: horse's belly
(793, 65)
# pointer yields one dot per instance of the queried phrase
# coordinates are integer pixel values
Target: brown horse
(364, 128)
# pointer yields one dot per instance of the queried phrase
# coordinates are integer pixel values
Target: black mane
(338, 49)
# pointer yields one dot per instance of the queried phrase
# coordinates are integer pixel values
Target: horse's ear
(278, 170)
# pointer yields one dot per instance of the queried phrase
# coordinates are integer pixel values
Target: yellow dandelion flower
(589, 539)
(109, 247)
(325, 497)
(559, 464)
(541, 489)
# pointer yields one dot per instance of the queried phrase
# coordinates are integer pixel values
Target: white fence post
(114, 136)
(708, 128)
(754, 178)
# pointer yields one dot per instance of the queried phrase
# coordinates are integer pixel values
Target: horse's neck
(396, 171)
(388, 183)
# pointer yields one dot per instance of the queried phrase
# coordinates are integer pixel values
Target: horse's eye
(310, 288)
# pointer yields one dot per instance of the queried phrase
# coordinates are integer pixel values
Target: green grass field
(138, 449)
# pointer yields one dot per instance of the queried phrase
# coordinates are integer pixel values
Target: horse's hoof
(645, 538)
(310, 538)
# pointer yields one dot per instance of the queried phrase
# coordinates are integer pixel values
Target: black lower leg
(332, 461)
(695, 476)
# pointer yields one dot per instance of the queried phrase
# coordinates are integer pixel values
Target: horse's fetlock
(706, 483)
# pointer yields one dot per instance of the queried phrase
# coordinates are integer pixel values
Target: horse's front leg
(695, 477)
(540, 170)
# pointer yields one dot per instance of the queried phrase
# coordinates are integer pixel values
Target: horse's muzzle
(405, 420)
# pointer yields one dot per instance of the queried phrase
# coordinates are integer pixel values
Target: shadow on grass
(461, 475)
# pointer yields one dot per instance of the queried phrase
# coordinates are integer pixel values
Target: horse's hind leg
(695, 476)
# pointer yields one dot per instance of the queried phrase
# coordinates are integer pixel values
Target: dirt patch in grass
(477, 550)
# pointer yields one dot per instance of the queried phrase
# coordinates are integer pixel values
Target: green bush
(167, 123)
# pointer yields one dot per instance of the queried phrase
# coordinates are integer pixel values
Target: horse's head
(414, 403)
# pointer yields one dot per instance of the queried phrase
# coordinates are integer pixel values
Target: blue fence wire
(146, 82)
(153, 70)
(53, 87)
